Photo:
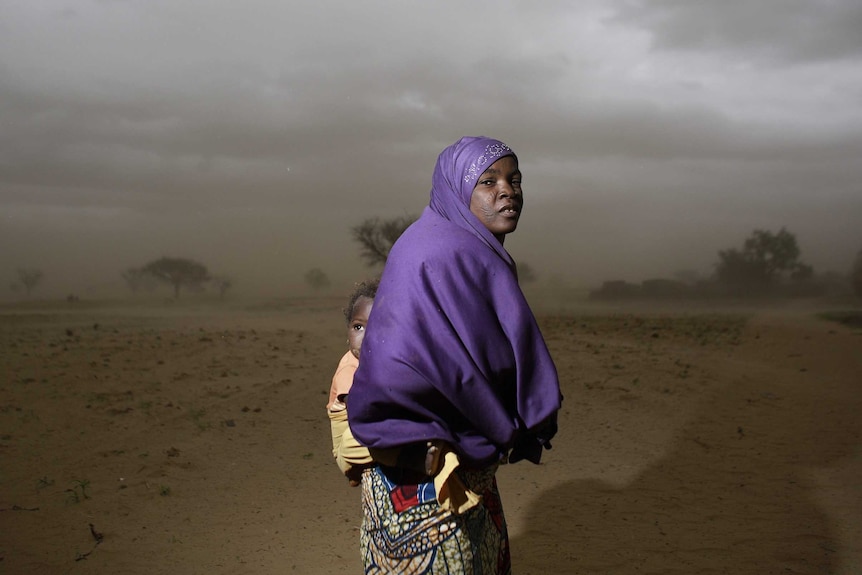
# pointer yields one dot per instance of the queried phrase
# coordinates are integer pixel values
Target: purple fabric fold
(452, 351)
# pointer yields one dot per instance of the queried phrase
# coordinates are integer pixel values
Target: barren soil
(162, 439)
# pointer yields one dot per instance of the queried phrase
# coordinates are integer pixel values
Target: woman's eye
(358, 327)
(487, 182)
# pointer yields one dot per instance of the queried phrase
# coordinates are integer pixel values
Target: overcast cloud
(252, 135)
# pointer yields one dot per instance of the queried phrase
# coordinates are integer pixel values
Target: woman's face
(358, 321)
(497, 199)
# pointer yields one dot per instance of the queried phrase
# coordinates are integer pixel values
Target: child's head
(357, 312)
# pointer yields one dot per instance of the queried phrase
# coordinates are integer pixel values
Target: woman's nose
(509, 191)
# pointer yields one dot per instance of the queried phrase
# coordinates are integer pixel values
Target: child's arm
(337, 425)
(350, 456)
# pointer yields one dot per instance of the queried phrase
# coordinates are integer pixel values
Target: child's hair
(367, 288)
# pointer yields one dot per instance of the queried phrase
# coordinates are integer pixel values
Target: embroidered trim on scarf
(492, 152)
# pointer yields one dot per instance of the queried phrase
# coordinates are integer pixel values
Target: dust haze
(251, 138)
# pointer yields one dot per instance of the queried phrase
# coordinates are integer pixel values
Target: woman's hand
(529, 445)
(425, 458)
(354, 475)
(433, 458)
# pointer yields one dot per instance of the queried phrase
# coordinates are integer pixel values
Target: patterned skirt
(405, 531)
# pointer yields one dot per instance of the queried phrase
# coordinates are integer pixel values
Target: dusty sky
(252, 135)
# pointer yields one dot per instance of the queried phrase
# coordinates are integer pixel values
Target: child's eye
(358, 327)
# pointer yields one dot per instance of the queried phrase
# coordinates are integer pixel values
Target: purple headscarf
(452, 351)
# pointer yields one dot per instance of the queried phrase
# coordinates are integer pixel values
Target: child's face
(358, 321)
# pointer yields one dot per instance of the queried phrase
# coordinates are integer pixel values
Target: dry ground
(194, 440)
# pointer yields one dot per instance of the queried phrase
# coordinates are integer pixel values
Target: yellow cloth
(452, 494)
(346, 450)
(343, 378)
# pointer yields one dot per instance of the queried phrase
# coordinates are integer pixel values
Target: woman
(454, 376)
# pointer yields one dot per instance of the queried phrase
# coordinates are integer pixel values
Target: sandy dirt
(164, 439)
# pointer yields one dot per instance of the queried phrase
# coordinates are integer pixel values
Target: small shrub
(78, 491)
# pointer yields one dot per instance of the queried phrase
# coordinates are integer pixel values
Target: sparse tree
(179, 273)
(138, 279)
(856, 275)
(222, 284)
(802, 272)
(317, 279)
(735, 270)
(376, 237)
(29, 278)
(764, 258)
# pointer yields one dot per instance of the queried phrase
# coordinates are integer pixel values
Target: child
(349, 455)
